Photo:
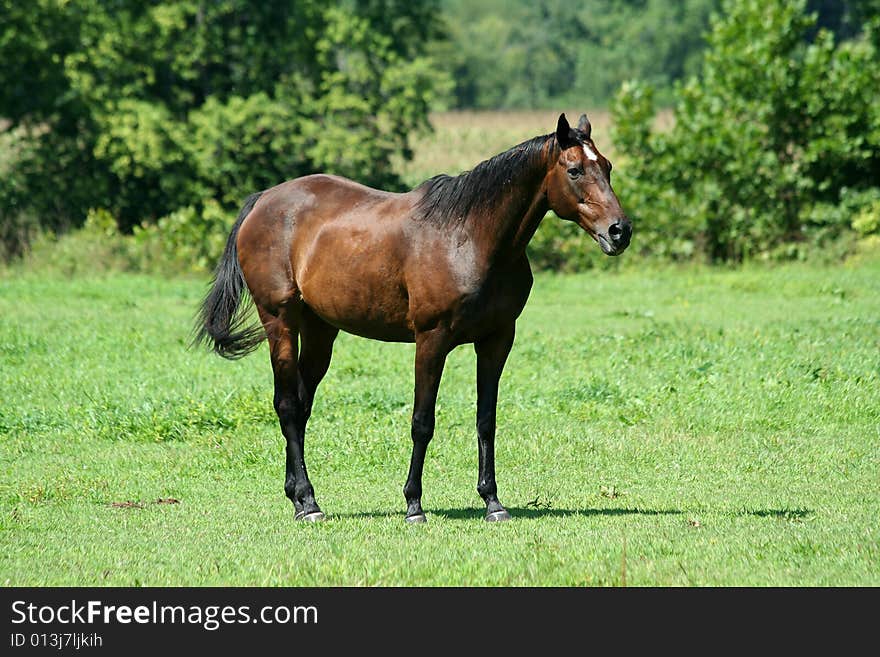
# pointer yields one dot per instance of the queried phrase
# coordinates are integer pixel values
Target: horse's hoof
(416, 519)
(498, 516)
(314, 516)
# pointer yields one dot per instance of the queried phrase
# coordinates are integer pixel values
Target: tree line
(142, 108)
(157, 117)
(553, 53)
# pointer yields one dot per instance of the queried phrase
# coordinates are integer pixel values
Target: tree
(521, 53)
(777, 143)
(656, 41)
(142, 108)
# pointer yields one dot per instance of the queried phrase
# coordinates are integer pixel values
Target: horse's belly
(349, 275)
(375, 331)
(359, 307)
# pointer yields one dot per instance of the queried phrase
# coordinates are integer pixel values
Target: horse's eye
(575, 172)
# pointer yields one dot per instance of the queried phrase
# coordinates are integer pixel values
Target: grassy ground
(691, 427)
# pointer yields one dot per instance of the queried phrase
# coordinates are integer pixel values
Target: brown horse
(442, 265)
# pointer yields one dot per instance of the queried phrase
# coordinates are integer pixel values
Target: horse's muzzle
(615, 241)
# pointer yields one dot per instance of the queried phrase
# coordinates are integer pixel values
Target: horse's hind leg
(316, 349)
(290, 404)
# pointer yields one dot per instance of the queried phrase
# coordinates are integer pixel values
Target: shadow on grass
(532, 513)
(780, 514)
(517, 512)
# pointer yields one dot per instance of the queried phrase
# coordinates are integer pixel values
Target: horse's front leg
(491, 355)
(432, 348)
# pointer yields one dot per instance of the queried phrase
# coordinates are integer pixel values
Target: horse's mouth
(605, 242)
(607, 248)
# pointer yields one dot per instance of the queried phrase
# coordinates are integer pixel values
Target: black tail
(222, 320)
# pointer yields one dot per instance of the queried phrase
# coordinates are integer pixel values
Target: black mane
(449, 199)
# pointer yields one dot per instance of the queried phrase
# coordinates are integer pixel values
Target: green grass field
(657, 427)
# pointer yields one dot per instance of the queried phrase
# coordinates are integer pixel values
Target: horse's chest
(458, 289)
(497, 301)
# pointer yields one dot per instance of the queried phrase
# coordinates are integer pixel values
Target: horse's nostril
(615, 231)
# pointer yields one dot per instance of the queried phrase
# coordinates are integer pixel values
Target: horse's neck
(503, 232)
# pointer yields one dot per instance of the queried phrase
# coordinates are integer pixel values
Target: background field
(656, 427)
(462, 139)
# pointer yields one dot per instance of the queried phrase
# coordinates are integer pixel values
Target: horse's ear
(584, 126)
(563, 133)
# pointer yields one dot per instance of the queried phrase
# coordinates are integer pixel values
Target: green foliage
(157, 109)
(145, 108)
(371, 93)
(846, 18)
(96, 247)
(239, 145)
(866, 218)
(656, 41)
(549, 53)
(17, 226)
(140, 145)
(35, 38)
(775, 132)
(188, 240)
(521, 53)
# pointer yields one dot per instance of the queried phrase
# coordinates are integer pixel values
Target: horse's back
(314, 199)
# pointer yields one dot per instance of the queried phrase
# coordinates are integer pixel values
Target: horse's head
(579, 188)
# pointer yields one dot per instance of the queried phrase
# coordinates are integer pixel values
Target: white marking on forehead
(589, 153)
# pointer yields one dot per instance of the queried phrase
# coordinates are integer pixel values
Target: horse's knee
(289, 408)
(485, 426)
(306, 410)
(422, 428)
